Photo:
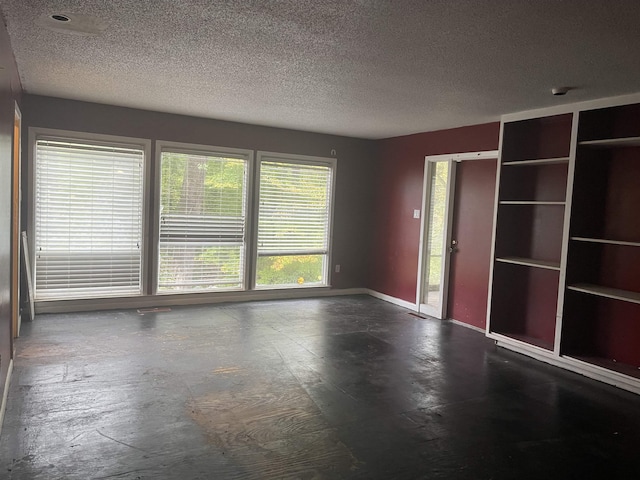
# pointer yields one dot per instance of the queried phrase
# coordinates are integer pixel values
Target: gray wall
(353, 212)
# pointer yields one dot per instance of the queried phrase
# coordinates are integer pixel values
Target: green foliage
(290, 270)
(216, 268)
(211, 183)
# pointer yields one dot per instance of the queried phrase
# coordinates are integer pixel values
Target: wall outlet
(416, 214)
(337, 268)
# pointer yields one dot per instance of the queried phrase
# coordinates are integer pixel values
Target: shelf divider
(529, 202)
(607, 292)
(530, 262)
(612, 142)
(535, 161)
(605, 241)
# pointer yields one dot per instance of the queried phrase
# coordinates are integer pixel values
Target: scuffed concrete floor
(333, 388)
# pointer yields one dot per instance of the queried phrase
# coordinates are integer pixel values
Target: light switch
(416, 214)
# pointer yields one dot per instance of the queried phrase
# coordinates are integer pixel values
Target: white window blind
(293, 223)
(202, 222)
(88, 219)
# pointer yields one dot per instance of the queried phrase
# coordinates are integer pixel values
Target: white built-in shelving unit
(565, 276)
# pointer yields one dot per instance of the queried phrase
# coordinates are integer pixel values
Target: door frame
(429, 160)
(16, 199)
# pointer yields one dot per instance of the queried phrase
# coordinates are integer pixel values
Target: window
(294, 221)
(203, 214)
(88, 218)
(218, 227)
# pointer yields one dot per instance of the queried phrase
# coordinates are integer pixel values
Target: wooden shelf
(622, 368)
(538, 161)
(529, 202)
(613, 293)
(605, 241)
(612, 142)
(528, 339)
(530, 262)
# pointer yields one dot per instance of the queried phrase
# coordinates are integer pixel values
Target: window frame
(208, 150)
(293, 159)
(149, 251)
(37, 133)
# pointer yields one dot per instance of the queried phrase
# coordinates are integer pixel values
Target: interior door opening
(16, 197)
(439, 176)
(458, 201)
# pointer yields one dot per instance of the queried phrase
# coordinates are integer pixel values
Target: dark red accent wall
(10, 91)
(399, 176)
(354, 178)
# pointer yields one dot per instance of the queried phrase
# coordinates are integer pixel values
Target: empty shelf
(530, 262)
(619, 367)
(605, 241)
(539, 161)
(528, 202)
(528, 339)
(613, 142)
(614, 293)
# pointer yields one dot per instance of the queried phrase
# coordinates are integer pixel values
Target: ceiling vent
(72, 23)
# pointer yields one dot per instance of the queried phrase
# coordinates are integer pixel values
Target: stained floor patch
(272, 432)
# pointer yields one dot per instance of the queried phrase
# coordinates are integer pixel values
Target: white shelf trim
(605, 241)
(530, 262)
(594, 369)
(529, 202)
(608, 365)
(536, 161)
(521, 345)
(612, 142)
(607, 292)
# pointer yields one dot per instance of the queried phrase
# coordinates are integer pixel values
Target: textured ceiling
(362, 68)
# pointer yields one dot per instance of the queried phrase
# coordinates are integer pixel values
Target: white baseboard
(394, 300)
(415, 308)
(5, 394)
(92, 305)
(472, 327)
(595, 372)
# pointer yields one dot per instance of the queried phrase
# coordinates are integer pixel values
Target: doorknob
(454, 246)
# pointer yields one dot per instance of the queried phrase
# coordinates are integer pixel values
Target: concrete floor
(334, 388)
